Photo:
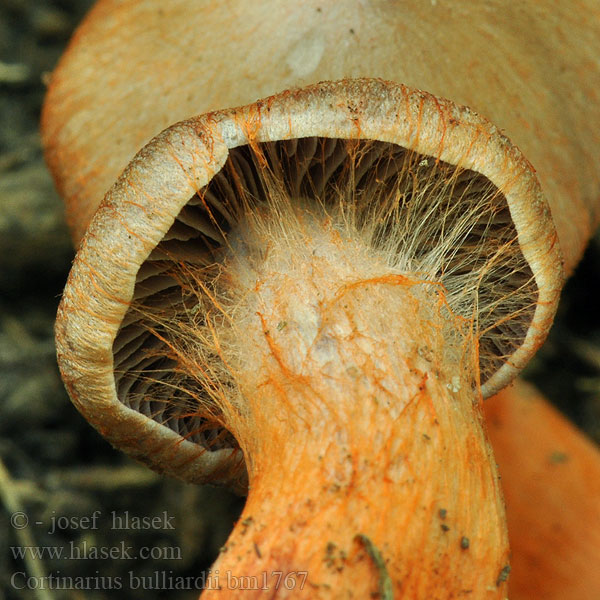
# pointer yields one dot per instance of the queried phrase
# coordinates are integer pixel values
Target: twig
(11, 500)
(385, 581)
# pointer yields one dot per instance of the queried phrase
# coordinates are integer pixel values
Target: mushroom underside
(438, 222)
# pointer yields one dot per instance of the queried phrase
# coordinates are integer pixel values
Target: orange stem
(369, 470)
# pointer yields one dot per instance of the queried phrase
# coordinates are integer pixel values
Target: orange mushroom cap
(134, 68)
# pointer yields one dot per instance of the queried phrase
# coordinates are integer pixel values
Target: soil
(52, 463)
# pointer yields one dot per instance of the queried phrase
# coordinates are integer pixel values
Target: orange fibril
(308, 297)
(343, 424)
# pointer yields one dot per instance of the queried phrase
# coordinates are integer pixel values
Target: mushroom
(309, 296)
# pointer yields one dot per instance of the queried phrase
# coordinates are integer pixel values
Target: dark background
(52, 463)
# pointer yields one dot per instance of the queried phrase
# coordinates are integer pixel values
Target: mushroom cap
(134, 68)
(146, 200)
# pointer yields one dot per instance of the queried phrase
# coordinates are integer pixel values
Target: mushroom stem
(361, 431)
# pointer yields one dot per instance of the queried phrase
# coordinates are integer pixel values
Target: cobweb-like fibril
(434, 221)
